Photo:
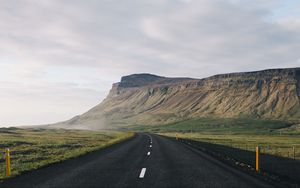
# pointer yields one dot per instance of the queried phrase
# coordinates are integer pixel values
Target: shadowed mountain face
(149, 99)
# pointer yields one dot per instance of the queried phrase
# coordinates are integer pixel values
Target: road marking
(142, 174)
(150, 146)
(150, 139)
(148, 153)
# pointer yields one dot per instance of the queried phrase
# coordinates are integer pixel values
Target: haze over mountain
(149, 99)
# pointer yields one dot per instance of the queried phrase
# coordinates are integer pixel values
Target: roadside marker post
(257, 159)
(7, 162)
(294, 153)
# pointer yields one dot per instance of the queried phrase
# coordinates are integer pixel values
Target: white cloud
(153, 29)
(58, 54)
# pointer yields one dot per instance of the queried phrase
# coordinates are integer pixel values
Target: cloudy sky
(58, 58)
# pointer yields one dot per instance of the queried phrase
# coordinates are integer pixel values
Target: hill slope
(150, 99)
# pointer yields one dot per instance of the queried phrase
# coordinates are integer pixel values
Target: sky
(59, 58)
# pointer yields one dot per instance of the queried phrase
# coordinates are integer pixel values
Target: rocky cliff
(149, 99)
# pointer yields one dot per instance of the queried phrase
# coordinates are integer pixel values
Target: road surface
(147, 160)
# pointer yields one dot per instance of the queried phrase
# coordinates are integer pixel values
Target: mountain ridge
(144, 79)
(150, 99)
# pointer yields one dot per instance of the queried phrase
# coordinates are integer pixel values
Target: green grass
(228, 126)
(34, 148)
(275, 137)
(279, 145)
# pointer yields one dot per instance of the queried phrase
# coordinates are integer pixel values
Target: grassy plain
(34, 148)
(278, 145)
(224, 126)
(273, 136)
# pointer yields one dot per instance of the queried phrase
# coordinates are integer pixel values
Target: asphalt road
(135, 163)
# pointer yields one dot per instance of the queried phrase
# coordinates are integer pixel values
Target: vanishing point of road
(147, 160)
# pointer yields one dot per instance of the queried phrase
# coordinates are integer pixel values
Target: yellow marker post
(176, 136)
(257, 159)
(294, 153)
(7, 161)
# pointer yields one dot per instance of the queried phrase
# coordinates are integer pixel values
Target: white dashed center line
(150, 139)
(142, 174)
(148, 153)
(150, 146)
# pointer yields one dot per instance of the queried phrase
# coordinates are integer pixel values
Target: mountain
(149, 99)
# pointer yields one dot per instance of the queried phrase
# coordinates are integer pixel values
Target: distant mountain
(149, 99)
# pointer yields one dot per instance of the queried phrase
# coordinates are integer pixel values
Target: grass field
(227, 126)
(34, 148)
(273, 136)
(278, 145)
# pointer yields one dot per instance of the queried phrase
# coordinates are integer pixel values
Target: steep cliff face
(149, 99)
